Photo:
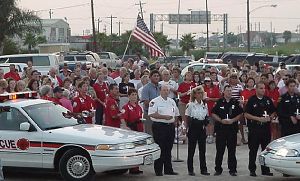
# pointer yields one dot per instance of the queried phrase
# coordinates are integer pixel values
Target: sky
(285, 16)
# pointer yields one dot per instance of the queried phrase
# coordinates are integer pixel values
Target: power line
(65, 7)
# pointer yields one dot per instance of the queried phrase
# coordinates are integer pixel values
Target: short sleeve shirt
(149, 92)
(196, 110)
(163, 107)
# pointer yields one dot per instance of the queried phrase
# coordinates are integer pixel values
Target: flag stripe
(142, 33)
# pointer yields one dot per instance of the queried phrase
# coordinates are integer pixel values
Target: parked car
(134, 57)
(37, 133)
(110, 59)
(19, 66)
(180, 61)
(83, 58)
(41, 62)
(201, 66)
(283, 155)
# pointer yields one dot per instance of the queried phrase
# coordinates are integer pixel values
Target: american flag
(142, 33)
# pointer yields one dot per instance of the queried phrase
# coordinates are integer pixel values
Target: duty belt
(257, 123)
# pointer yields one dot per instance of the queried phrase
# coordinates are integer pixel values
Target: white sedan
(283, 155)
(37, 133)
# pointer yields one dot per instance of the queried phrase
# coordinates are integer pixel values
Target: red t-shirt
(246, 93)
(133, 113)
(183, 88)
(85, 103)
(13, 75)
(212, 92)
(112, 109)
(274, 95)
(101, 92)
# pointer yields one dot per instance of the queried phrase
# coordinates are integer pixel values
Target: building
(56, 30)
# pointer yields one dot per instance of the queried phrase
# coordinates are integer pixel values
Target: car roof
(23, 102)
(26, 55)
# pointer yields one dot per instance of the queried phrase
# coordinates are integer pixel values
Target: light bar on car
(18, 95)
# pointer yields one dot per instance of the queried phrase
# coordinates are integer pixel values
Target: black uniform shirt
(257, 107)
(287, 107)
(224, 108)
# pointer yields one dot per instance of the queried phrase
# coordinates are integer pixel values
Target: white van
(41, 62)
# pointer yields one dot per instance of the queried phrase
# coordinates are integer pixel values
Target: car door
(18, 148)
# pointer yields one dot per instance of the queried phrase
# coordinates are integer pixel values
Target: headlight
(121, 146)
(149, 141)
(284, 152)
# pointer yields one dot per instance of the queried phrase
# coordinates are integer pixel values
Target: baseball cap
(281, 64)
(207, 79)
(58, 89)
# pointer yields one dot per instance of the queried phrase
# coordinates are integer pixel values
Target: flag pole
(127, 45)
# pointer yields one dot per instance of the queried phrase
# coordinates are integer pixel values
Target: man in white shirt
(163, 112)
(172, 85)
(137, 79)
(123, 71)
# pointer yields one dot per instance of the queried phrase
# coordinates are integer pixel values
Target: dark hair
(30, 83)
(125, 75)
(227, 86)
(111, 86)
(260, 83)
(131, 90)
(34, 71)
(290, 81)
(250, 78)
(8, 81)
(264, 75)
(154, 72)
(75, 79)
(67, 79)
(81, 84)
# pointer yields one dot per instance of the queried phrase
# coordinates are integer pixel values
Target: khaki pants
(147, 124)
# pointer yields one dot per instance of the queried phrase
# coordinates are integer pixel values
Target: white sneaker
(210, 140)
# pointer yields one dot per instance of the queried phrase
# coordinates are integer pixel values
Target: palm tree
(287, 35)
(15, 21)
(31, 40)
(187, 42)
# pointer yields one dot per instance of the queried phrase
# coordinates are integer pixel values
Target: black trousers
(226, 138)
(196, 134)
(163, 135)
(99, 115)
(258, 136)
(290, 129)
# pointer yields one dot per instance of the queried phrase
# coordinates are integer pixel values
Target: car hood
(290, 142)
(93, 135)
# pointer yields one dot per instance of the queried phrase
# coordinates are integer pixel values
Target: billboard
(196, 17)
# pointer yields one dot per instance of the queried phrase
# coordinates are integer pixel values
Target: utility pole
(111, 23)
(119, 23)
(162, 27)
(50, 13)
(141, 8)
(93, 25)
(105, 29)
(99, 21)
(248, 27)
(177, 29)
(207, 35)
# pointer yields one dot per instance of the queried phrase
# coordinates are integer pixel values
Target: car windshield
(50, 116)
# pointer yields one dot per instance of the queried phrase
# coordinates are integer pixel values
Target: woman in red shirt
(131, 118)
(184, 91)
(101, 90)
(249, 91)
(212, 96)
(273, 93)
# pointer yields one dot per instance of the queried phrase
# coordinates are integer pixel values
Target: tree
(31, 40)
(187, 42)
(287, 35)
(15, 21)
(162, 40)
(231, 38)
(10, 47)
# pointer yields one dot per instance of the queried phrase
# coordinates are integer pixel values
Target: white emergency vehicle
(36, 133)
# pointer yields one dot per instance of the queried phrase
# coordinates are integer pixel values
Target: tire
(75, 165)
(117, 172)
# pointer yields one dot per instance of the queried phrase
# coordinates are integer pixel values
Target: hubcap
(78, 166)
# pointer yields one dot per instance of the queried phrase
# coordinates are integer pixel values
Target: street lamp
(207, 35)
(248, 20)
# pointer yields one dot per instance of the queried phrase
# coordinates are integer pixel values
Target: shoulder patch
(151, 104)
(74, 104)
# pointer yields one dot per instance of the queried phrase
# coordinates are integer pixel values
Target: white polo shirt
(163, 107)
(196, 110)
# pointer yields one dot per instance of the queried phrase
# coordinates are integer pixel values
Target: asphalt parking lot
(180, 167)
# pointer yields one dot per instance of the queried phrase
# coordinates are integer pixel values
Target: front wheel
(76, 165)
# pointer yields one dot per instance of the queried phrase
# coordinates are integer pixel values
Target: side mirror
(24, 126)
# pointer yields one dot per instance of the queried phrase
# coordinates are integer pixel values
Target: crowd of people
(213, 105)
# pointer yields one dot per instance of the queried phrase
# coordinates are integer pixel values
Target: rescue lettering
(7, 144)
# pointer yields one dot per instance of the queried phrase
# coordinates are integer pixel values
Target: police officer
(197, 113)
(289, 110)
(163, 112)
(226, 112)
(259, 112)
(84, 104)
